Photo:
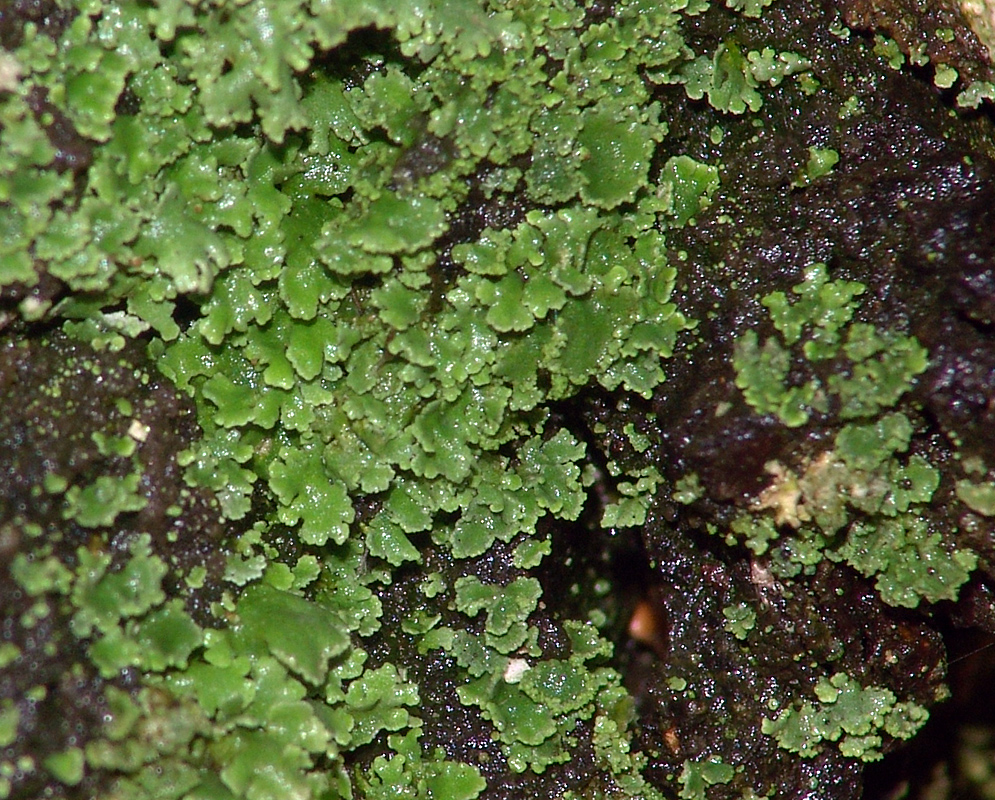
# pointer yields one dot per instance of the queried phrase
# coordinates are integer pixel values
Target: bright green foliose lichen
(278, 196)
(854, 716)
(879, 368)
(697, 776)
(333, 357)
(862, 499)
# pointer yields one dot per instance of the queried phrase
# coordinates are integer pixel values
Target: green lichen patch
(429, 777)
(879, 366)
(88, 453)
(535, 705)
(868, 470)
(851, 715)
(98, 504)
(697, 776)
(740, 620)
(332, 360)
(979, 497)
(909, 560)
(393, 254)
(276, 615)
(731, 80)
(890, 539)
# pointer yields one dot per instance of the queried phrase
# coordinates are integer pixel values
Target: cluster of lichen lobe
(900, 221)
(366, 364)
(95, 427)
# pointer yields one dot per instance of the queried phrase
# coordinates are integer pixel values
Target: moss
(380, 358)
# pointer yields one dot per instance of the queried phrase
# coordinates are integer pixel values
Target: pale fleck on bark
(980, 16)
(10, 72)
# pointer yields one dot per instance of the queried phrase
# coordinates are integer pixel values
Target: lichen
(867, 470)
(849, 714)
(354, 336)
